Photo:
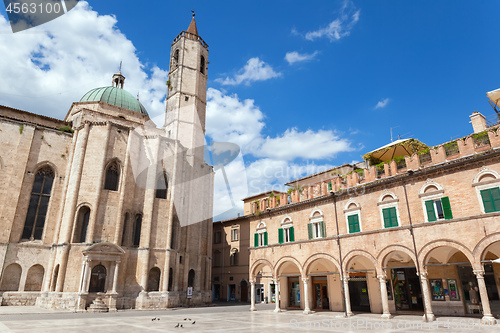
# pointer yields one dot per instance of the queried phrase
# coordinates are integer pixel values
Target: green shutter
(353, 221)
(329, 186)
(323, 229)
(280, 235)
(495, 198)
(446, 208)
(256, 240)
(310, 230)
(394, 217)
(390, 217)
(387, 217)
(265, 238)
(431, 214)
(292, 236)
(488, 205)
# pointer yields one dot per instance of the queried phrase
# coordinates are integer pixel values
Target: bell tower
(187, 91)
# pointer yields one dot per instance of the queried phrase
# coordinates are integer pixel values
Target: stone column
(348, 311)
(119, 216)
(277, 295)
(100, 184)
(149, 203)
(428, 315)
(82, 276)
(307, 309)
(386, 314)
(67, 221)
(252, 295)
(115, 277)
(485, 302)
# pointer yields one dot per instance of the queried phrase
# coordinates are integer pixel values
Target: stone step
(98, 305)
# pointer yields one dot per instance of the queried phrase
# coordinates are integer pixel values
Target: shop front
(320, 288)
(294, 292)
(406, 289)
(358, 292)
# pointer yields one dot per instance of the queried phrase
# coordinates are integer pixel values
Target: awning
(403, 147)
(494, 96)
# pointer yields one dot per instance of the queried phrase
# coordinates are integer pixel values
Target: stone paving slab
(224, 319)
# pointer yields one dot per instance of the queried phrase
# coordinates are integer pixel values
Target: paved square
(222, 318)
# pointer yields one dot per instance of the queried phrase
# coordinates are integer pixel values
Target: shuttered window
(491, 199)
(316, 230)
(438, 209)
(390, 217)
(353, 222)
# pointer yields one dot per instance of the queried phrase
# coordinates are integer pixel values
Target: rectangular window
(491, 199)
(234, 234)
(353, 222)
(330, 186)
(316, 230)
(438, 209)
(285, 235)
(217, 237)
(261, 239)
(390, 217)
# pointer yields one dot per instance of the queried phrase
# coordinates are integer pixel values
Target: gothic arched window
(191, 278)
(137, 230)
(39, 202)
(112, 176)
(161, 186)
(175, 60)
(202, 65)
(82, 223)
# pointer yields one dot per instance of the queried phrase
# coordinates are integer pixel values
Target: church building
(103, 210)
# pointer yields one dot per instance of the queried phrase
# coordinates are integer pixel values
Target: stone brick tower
(187, 92)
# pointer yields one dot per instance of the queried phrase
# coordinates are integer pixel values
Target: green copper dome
(115, 96)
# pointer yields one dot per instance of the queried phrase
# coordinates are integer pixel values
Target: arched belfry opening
(118, 79)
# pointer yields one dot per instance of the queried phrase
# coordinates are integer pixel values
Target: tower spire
(192, 26)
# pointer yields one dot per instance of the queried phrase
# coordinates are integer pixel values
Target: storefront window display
(453, 290)
(437, 289)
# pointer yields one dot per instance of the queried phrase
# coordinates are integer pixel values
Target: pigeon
(182, 326)
(194, 322)
(177, 325)
(185, 319)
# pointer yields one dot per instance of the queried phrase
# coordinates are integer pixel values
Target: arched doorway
(404, 290)
(291, 288)
(11, 278)
(98, 279)
(244, 291)
(154, 279)
(451, 281)
(363, 284)
(491, 263)
(34, 278)
(324, 279)
(262, 274)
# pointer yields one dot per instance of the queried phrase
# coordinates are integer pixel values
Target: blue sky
(354, 69)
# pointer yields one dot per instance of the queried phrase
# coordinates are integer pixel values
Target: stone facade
(97, 210)
(419, 236)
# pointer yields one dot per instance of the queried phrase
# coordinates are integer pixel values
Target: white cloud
(50, 66)
(382, 103)
(241, 122)
(275, 160)
(254, 70)
(310, 144)
(294, 56)
(340, 27)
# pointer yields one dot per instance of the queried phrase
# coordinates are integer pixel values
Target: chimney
(478, 122)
